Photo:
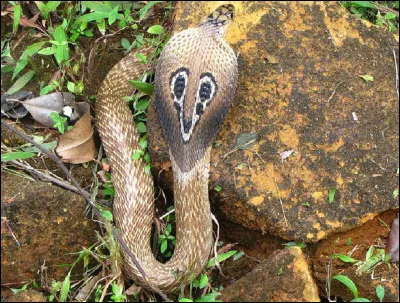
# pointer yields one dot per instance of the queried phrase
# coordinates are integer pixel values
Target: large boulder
(300, 90)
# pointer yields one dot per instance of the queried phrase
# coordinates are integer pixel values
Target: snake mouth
(221, 15)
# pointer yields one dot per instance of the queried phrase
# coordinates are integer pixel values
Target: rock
(300, 90)
(371, 233)
(29, 295)
(48, 223)
(273, 280)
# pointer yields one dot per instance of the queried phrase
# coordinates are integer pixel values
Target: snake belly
(195, 81)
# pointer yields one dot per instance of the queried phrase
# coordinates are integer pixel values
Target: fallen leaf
(367, 78)
(41, 107)
(246, 140)
(225, 248)
(133, 290)
(272, 59)
(286, 154)
(77, 145)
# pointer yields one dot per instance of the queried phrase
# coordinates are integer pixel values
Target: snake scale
(195, 81)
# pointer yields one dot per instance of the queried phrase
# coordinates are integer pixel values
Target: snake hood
(195, 83)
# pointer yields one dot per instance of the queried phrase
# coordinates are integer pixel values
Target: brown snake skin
(195, 82)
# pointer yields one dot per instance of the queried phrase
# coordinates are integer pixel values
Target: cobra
(195, 81)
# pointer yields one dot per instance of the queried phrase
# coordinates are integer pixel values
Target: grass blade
(348, 283)
(21, 82)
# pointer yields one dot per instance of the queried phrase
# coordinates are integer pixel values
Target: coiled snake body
(195, 82)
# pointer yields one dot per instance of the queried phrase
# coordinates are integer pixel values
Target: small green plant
(18, 290)
(166, 239)
(217, 188)
(381, 13)
(117, 295)
(108, 187)
(331, 196)
(380, 292)
(60, 122)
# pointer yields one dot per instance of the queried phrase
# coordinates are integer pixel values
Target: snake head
(220, 19)
(195, 83)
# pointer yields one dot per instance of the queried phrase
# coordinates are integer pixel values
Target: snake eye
(178, 82)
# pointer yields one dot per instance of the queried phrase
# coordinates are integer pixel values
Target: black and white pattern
(205, 93)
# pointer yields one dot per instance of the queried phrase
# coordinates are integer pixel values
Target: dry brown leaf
(133, 290)
(225, 248)
(77, 145)
(272, 59)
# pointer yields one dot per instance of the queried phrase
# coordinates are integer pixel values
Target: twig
(216, 244)
(397, 71)
(5, 221)
(334, 91)
(83, 193)
(385, 9)
(43, 175)
(166, 214)
(280, 200)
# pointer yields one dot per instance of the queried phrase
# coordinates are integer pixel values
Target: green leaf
(209, 297)
(380, 292)
(71, 86)
(137, 154)
(203, 281)
(370, 253)
(33, 149)
(360, 300)
(95, 16)
(18, 290)
(19, 67)
(107, 215)
(344, 258)
(155, 29)
(218, 188)
(113, 15)
(29, 51)
(47, 51)
(389, 16)
(101, 25)
(348, 242)
(238, 255)
(348, 283)
(185, 300)
(141, 127)
(45, 90)
(365, 4)
(143, 142)
(97, 6)
(17, 17)
(65, 288)
(164, 245)
(141, 57)
(21, 82)
(332, 192)
(396, 193)
(367, 78)
(143, 87)
(52, 5)
(125, 43)
(221, 258)
(146, 8)
(142, 105)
